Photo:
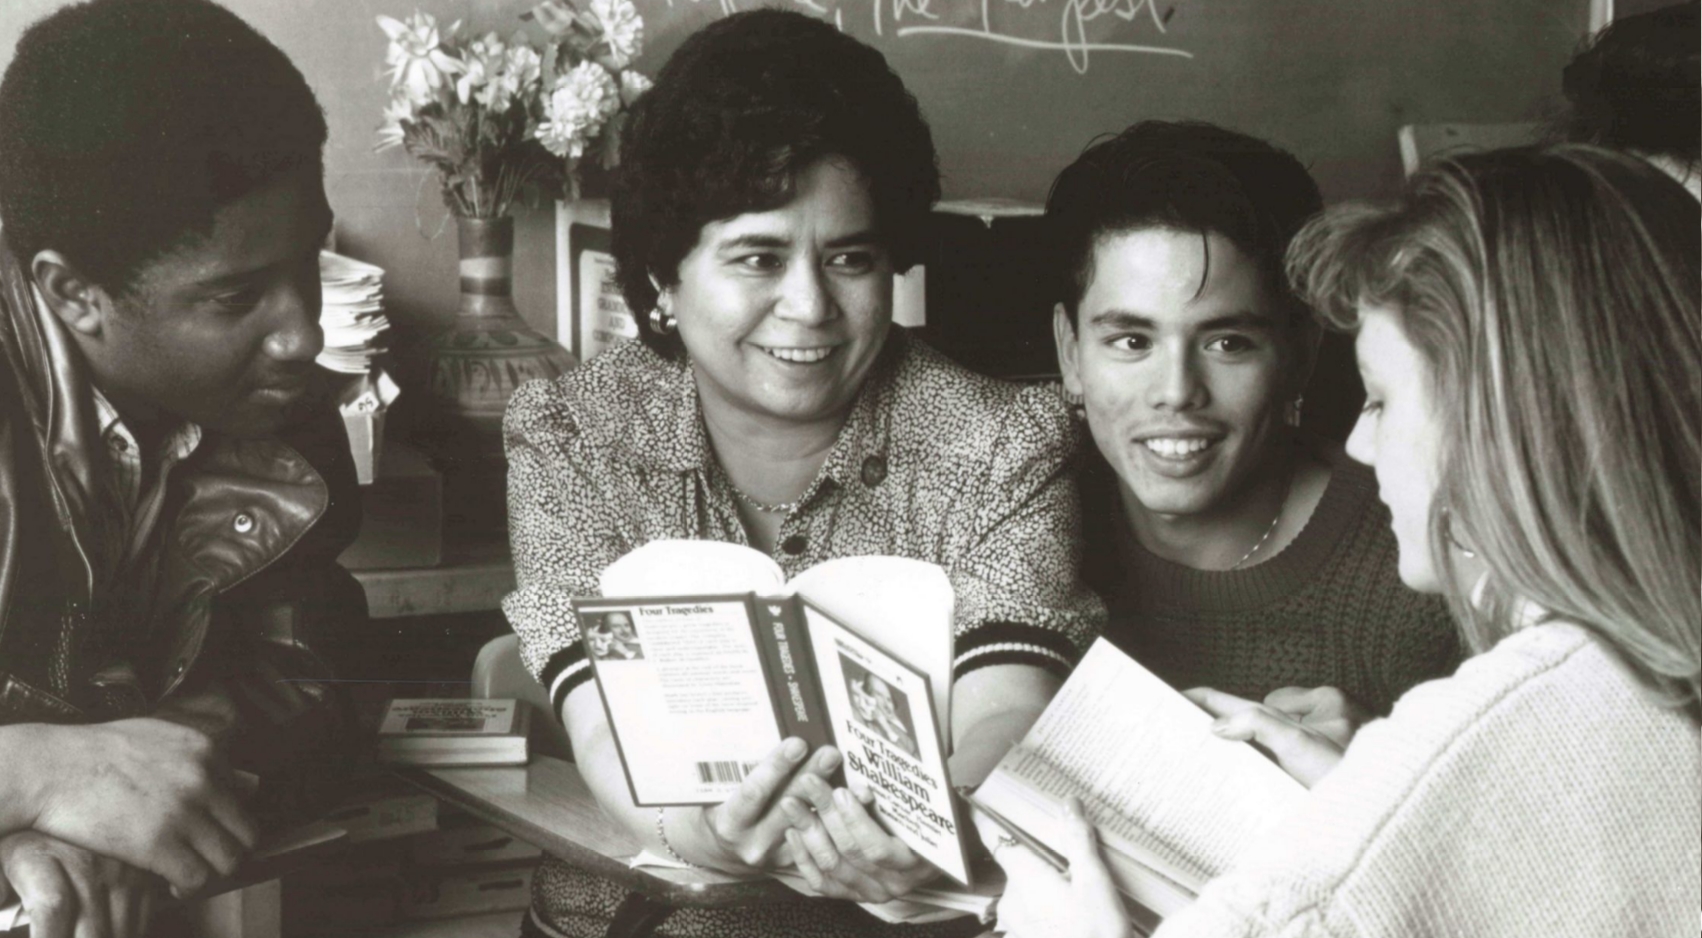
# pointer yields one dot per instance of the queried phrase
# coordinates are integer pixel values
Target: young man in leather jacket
(174, 490)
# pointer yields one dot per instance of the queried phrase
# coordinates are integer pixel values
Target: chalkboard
(1014, 89)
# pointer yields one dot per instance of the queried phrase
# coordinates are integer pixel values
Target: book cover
(883, 723)
(686, 692)
(698, 687)
(457, 732)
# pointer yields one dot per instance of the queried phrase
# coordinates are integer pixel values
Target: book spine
(783, 634)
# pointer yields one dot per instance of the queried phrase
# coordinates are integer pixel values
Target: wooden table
(549, 805)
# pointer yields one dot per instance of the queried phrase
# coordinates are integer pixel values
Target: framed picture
(591, 315)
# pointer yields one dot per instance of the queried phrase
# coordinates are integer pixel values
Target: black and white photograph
(613, 637)
(880, 707)
(1268, 431)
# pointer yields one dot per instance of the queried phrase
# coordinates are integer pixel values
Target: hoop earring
(1291, 415)
(661, 318)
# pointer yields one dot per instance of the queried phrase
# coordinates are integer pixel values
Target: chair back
(498, 672)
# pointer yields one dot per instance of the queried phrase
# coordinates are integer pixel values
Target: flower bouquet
(504, 119)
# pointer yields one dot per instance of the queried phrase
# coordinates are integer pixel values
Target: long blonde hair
(1553, 295)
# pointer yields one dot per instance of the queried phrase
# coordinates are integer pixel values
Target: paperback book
(1172, 803)
(706, 658)
(438, 732)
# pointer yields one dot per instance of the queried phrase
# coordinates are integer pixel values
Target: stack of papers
(353, 314)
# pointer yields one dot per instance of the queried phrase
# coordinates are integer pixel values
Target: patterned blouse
(934, 463)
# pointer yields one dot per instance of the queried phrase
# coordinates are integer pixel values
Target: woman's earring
(662, 318)
(1447, 521)
(1291, 416)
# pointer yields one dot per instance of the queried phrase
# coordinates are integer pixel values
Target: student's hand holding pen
(1041, 901)
(843, 853)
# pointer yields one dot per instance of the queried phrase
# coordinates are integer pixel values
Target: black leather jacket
(249, 590)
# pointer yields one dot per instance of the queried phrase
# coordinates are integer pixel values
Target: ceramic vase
(479, 361)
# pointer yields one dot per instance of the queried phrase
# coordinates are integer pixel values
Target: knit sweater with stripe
(1329, 609)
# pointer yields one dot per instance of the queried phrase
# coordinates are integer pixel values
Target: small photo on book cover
(878, 707)
(612, 636)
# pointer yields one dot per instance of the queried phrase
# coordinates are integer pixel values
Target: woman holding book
(771, 183)
(1529, 332)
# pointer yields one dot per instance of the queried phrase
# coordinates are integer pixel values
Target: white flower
(522, 66)
(633, 84)
(623, 28)
(582, 101)
(419, 66)
(514, 77)
(483, 61)
(397, 111)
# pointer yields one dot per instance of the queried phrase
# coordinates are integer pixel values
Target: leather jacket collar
(236, 505)
(52, 385)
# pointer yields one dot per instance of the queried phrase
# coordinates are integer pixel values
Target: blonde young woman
(1529, 333)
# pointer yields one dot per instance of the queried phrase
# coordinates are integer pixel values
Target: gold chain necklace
(778, 508)
(1286, 489)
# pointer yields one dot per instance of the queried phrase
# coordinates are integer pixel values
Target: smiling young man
(173, 488)
(1232, 550)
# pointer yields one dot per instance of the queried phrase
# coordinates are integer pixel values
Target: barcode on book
(708, 772)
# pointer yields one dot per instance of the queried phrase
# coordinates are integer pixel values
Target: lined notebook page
(1159, 785)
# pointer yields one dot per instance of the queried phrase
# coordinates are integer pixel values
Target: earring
(1447, 522)
(662, 318)
(1291, 416)
(1075, 402)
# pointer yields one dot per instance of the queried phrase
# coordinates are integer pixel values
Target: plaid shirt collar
(124, 454)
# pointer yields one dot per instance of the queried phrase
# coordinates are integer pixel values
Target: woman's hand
(843, 853)
(1326, 710)
(1040, 902)
(748, 830)
(152, 793)
(70, 892)
(1307, 731)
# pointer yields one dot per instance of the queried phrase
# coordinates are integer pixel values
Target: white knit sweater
(1539, 792)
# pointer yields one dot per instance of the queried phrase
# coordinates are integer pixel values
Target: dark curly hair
(126, 124)
(737, 112)
(1635, 86)
(1189, 176)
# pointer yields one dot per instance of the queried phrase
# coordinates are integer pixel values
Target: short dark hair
(126, 124)
(737, 112)
(1187, 176)
(1635, 86)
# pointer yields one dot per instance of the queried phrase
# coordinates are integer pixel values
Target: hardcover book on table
(706, 658)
